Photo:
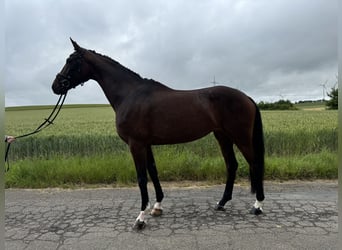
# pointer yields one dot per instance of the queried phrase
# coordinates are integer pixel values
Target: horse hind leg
(231, 164)
(257, 187)
(257, 164)
(256, 177)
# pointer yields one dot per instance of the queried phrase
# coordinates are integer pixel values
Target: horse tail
(257, 170)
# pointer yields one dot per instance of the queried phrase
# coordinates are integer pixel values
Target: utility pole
(214, 82)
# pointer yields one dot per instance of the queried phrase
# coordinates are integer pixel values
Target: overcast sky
(268, 49)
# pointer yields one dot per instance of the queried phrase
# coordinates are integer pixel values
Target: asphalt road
(300, 215)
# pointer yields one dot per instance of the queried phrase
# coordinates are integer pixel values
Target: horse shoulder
(132, 116)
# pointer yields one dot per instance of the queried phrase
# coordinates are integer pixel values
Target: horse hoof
(156, 212)
(219, 208)
(139, 225)
(256, 211)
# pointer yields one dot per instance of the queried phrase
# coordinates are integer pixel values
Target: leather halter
(66, 80)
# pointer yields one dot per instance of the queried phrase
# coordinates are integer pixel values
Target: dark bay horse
(150, 113)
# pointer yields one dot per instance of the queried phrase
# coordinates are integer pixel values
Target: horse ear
(76, 46)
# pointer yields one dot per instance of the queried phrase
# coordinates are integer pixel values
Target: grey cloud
(260, 47)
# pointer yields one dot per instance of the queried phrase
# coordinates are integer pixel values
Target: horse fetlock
(257, 208)
(219, 207)
(147, 209)
(140, 220)
(258, 204)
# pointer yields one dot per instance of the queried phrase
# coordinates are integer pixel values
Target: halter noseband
(64, 81)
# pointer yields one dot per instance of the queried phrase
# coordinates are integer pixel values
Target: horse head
(75, 71)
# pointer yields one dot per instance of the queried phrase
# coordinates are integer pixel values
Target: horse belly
(178, 129)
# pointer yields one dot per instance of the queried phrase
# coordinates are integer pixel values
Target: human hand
(10, 139)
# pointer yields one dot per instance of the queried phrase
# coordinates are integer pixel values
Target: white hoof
(157, 210)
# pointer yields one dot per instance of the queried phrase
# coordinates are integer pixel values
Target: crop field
(82, 148)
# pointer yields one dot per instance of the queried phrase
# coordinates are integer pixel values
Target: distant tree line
(278, 105)
(332, 103)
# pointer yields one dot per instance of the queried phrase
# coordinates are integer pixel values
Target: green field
(311, 105)
(82, 148)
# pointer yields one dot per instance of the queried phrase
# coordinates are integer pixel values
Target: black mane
(129, 71)
(117, 64)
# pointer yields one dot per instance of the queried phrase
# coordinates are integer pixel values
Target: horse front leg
(157, 209)
(139, 153)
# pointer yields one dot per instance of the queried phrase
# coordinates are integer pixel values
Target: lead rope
(48, 121)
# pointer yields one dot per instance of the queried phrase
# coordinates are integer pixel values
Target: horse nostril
(58, 88)
(64, 83)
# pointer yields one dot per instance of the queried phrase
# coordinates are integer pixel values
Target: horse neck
(116, 81)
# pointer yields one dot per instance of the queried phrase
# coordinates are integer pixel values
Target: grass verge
(118, 169)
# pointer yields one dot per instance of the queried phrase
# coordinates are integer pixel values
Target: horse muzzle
(61, 84)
